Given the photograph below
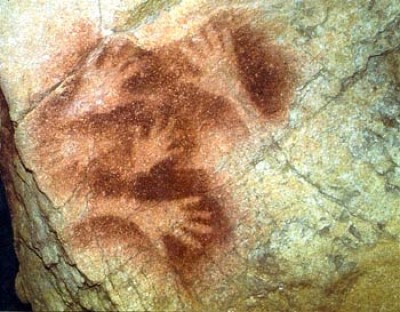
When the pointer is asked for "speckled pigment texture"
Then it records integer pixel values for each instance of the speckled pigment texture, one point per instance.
(192, 155)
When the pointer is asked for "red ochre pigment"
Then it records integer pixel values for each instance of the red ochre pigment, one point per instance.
(147, 127)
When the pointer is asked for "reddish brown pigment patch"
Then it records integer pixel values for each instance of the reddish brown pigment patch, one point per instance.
(142, 130)
(263, 72)
(117, 229)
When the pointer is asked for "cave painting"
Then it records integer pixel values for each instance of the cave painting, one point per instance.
(138, 133)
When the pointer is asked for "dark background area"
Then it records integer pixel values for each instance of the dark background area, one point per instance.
(8, 261)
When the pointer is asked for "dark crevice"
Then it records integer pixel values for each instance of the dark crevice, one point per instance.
(8, 261)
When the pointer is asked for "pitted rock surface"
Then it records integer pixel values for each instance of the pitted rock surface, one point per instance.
(200, 156)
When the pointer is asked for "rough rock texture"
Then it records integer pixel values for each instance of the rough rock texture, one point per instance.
(203, 155)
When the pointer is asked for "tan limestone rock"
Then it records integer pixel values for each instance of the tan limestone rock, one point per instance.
(193, 155)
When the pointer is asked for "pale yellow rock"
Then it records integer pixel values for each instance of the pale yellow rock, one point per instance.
(311, 197)
(41, 43)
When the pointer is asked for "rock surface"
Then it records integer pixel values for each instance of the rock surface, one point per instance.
(193, 155)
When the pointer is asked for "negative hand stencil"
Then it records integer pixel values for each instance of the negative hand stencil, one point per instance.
(136, 134)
